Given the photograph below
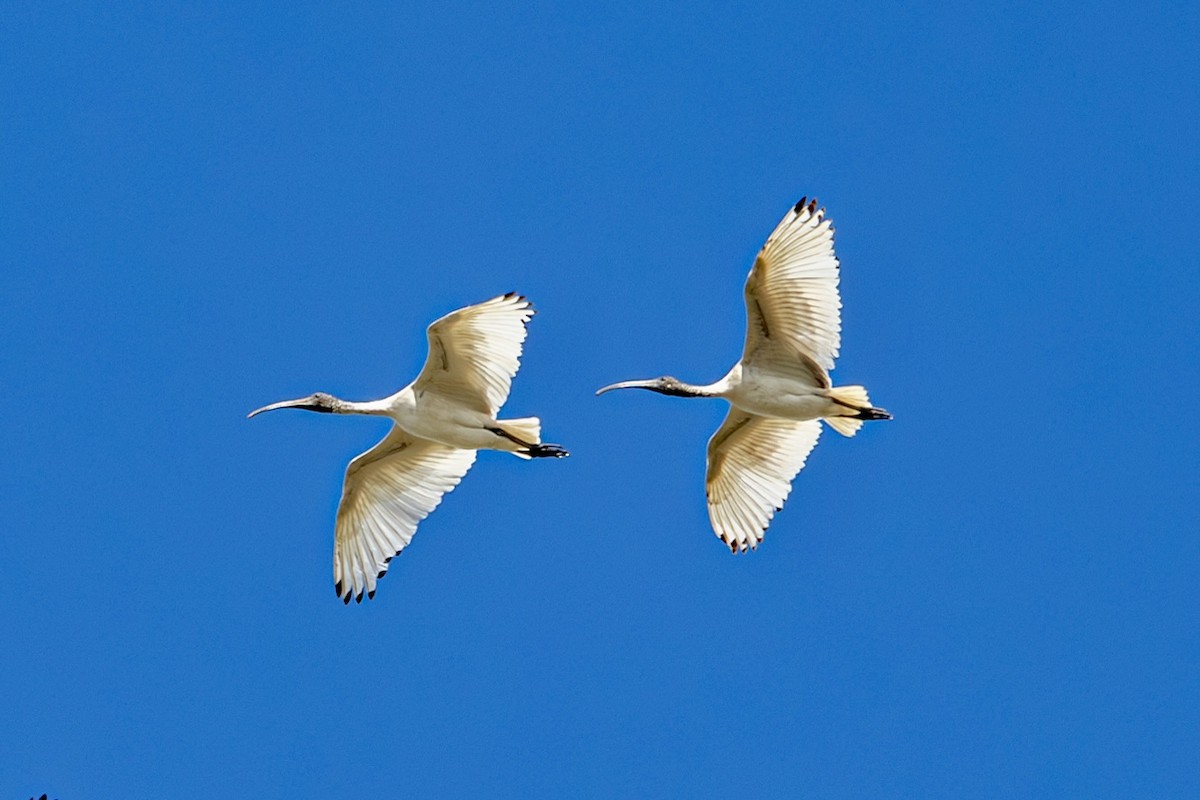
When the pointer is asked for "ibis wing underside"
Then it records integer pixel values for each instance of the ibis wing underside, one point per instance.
(388, 490)
(792, 290)
(751, 463)
(475, 352)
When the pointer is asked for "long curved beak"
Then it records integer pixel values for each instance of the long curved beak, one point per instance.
(303, 402)
(626, 385)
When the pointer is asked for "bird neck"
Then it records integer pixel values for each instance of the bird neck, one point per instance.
(677, 388)
(373, 408)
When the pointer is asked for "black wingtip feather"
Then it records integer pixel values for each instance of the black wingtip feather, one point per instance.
(807, 204)
(371, 595)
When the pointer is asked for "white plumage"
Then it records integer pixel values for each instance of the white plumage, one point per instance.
(440, 420)
(751, 463)
(792, 300)
(780, 387)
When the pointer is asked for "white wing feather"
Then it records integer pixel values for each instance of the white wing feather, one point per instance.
(388, 490)
(475, 352)
(751, 463)
(792, 291)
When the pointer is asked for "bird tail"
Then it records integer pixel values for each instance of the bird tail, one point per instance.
(857, 406)
(846, 426)
(527, 429)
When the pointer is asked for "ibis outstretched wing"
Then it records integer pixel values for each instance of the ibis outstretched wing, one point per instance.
(792, 291)
(751, 463)
(475, 352)
(388, 490)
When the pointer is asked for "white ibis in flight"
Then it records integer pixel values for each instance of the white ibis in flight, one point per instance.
(780, 388)
(439, 421)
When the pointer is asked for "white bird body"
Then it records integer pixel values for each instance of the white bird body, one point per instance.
(440, 420)
(770, 394)
(780, 388)
(445, 421)
(764, 392)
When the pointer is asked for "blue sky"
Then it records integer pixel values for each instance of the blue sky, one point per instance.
(203, 210)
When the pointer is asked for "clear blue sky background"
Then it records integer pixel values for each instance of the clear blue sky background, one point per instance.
(208, 209)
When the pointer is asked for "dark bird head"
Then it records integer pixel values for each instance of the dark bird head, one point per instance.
(320, 401)
(664, 385)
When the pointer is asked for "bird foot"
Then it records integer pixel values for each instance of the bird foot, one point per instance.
(546, 451)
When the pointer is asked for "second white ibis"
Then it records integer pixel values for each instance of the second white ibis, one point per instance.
(780, 388)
